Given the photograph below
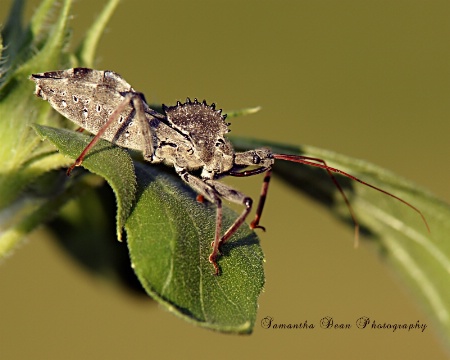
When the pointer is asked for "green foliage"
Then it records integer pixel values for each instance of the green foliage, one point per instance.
(35, 190)
(26, 161)
(111, 163)
(169, 237)
(168, 233)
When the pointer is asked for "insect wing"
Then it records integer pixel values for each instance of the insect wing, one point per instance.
(88, 98)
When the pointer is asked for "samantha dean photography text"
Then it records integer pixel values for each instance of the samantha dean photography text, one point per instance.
(361, 323)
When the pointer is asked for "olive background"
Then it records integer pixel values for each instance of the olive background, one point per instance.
(369, 79)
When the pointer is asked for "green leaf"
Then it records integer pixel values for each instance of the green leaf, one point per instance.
(226, 303)
(27, 49)
(41, 46)
(18, 106)
(169, 236)
(33, 209)
(12, 34)
(85, 229)
(26, 160)
(422, 258)
(109, 161)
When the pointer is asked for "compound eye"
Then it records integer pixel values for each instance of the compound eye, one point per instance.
(256, 159)
(220, 143)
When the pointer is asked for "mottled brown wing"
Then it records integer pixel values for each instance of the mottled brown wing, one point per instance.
(88, 97)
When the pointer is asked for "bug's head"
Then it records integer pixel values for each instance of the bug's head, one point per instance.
(261, 157)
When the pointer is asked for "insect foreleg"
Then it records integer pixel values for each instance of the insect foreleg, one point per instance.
(262, 200)
(234, 196)
(264, 159)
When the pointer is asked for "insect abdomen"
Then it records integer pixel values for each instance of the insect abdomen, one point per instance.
(88, 98)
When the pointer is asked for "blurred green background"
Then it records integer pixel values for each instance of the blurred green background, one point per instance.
(369, 79)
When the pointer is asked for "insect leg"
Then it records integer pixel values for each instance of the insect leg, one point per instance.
(232, 195)
(262, 200)
(102, 130)
(263, 195)
(144, 126)
(130, 97)
(213, 196)
(263, 158)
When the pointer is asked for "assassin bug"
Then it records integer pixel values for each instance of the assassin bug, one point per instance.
(188, 136)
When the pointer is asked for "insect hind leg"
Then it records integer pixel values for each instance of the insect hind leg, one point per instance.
(138, 103)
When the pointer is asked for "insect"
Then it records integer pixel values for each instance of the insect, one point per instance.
(189, 136)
